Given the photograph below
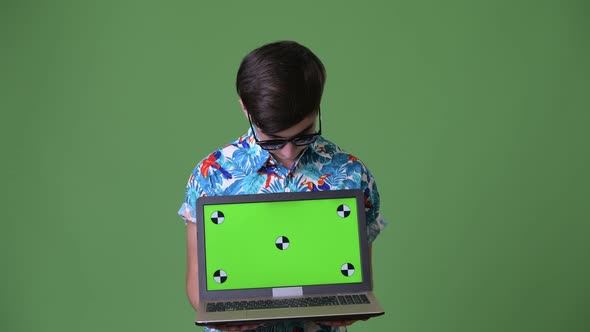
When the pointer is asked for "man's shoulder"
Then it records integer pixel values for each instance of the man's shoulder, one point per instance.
(228, 150)
(238, 156)
(327, 149)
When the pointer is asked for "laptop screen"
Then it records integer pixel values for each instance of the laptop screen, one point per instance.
(281, 243)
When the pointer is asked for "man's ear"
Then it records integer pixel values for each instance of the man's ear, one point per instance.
(243, 108)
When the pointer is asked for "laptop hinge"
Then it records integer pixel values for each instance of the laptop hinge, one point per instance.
(287, 291)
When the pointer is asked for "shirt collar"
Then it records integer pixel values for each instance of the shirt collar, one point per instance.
(263, 156)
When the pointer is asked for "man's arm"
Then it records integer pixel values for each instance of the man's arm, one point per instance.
(192, 270)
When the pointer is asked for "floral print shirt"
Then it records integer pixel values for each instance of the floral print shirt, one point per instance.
(242, 167)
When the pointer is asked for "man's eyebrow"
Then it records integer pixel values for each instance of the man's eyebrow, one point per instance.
(299, 134)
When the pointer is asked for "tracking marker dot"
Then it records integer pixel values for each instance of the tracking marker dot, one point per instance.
(217, 217)
(282, 243)
(343, 210)
(220, 276)
(347, 269)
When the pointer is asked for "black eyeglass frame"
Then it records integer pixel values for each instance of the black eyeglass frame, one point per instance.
(301, 140)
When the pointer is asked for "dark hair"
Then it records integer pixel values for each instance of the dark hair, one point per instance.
(280, 84)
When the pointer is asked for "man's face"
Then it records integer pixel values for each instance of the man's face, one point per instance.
(288, 154)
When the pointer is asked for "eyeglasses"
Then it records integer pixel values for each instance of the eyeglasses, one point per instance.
(275, 144)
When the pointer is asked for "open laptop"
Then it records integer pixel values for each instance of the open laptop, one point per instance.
(283, 256)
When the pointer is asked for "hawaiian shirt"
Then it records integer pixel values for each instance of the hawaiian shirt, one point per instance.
(242, 167)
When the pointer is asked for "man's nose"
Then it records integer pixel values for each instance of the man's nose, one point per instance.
(290, 149)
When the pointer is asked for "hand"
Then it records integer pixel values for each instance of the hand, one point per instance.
(235, 327)
(336, 323)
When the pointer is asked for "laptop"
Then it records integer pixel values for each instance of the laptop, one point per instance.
(283, 256)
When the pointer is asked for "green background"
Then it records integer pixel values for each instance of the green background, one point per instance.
(472, 115)
(315, 255)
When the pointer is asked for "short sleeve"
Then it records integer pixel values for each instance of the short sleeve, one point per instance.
(193, 190)
(375, 221)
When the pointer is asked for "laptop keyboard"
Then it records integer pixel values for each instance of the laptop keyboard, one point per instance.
(288, 303)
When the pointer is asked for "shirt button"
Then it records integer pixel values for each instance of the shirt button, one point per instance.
(287, 190)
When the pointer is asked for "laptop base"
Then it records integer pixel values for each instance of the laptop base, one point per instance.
(271, 321)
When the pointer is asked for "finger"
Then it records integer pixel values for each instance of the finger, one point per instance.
(337, 323)
(227, 327)
(236, 327)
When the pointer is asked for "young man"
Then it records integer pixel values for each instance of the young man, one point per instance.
(280, 87)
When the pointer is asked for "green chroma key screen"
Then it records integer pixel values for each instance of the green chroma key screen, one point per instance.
(282, 244)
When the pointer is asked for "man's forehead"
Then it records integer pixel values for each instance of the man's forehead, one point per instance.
(292, 132)
(297, 130)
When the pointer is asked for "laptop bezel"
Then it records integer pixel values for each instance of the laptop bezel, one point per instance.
(363, 286)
